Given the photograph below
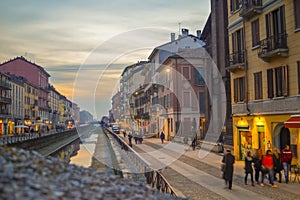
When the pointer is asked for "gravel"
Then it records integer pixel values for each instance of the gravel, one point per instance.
(28, 175)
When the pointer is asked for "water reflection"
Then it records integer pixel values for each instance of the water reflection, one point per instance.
(79, 152)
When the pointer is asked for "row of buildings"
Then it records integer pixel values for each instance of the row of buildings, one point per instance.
(255, 45)
(28, 99)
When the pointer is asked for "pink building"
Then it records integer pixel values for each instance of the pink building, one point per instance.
(36, 75)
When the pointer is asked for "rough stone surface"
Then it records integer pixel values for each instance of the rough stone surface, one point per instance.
(28, 175)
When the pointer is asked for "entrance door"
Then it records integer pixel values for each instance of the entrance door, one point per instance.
(285, 138)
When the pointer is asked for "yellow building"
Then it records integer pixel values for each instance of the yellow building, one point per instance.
(31, 108)
(264, 48)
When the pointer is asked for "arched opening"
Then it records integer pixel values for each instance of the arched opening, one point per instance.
(285, 138)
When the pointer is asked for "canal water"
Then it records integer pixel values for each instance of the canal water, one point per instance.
(86, 150)
(80, 152)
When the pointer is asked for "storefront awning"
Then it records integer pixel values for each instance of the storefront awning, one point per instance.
(293, 122)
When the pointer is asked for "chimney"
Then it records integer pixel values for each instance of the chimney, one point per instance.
(185, 32)
(172, 37)
(199, 33)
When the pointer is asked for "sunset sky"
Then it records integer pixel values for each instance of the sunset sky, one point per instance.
(85, 45)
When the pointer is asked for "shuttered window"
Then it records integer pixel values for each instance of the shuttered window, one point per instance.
(239, 89)
(297, 13)
(270, 83)
(278, 82)
(255, 33)
(298, 65)
(258, 85)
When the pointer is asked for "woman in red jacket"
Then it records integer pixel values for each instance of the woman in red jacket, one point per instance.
(268, 168)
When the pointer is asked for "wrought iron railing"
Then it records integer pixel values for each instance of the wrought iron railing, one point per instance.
(272, 43)
(153, 178)
(249, 4)
(236, 58)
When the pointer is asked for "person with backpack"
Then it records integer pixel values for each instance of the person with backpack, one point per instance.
(268, 168)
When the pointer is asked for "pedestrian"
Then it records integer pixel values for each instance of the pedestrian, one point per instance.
(162, 136)
(286, 158)
(248, 167)
(124, 133)
(135, 139)
(130, 140)
(228, 160)
(277, 164)
(268, 168)
(185, 142)
(257, 159)
(194, 142)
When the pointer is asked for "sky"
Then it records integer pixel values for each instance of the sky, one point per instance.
(85, 45)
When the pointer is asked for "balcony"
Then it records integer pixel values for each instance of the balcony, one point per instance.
(236, 61)
(273, 46)
(5, 100)
(251, 8)
(5, 85)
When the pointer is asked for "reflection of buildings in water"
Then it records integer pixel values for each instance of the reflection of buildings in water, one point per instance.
(68, 151)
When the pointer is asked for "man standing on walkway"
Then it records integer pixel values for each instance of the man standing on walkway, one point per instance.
(228, 160)
(286, 158)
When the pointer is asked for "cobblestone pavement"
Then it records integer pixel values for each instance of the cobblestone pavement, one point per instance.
(200, 178)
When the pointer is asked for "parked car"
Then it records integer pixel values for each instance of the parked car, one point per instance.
(116, 128)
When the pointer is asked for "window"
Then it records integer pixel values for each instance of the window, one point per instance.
(198, 76)
(186, 72)
(277, 81)
(297, 13)
(275, 28)
(239, 89)
(186, 99)
(255, 33)
(201, 102)
(258, 85)
(298, 64)
(237, 47)
(234, 5)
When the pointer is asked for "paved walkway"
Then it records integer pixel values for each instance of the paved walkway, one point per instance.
(199, 171)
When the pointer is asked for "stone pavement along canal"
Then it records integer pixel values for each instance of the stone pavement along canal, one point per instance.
(201, 178)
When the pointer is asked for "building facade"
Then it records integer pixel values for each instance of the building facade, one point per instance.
(5, 102)
(264, 40)
(34, 74)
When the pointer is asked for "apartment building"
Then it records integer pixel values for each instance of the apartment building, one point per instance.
(5, 101)
(264, 41)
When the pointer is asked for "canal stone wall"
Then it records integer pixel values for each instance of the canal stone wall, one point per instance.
(49, 144)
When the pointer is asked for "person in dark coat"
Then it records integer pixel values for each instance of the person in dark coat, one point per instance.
(228, 160)
(257, 159)
(162, 136)
(249, 168)
(277, 164)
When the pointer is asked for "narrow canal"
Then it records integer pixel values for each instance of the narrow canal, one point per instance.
(80, 152)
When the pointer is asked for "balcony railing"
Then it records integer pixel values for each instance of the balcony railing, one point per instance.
(5, 85)
(273, 46)
(236, 61)
(251, 8)
(5, 100)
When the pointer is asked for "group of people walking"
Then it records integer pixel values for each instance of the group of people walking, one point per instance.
(260, 166)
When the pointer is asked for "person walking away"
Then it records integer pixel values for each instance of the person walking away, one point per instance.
(249, 168)
(257, 159)
(162, 136)
(228, 160)
(194, 143)
(268, 168)
(130, 140)
(277, 164)
(286, 159)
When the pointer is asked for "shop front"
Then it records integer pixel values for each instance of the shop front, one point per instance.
(293, 125)
(249, 136)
